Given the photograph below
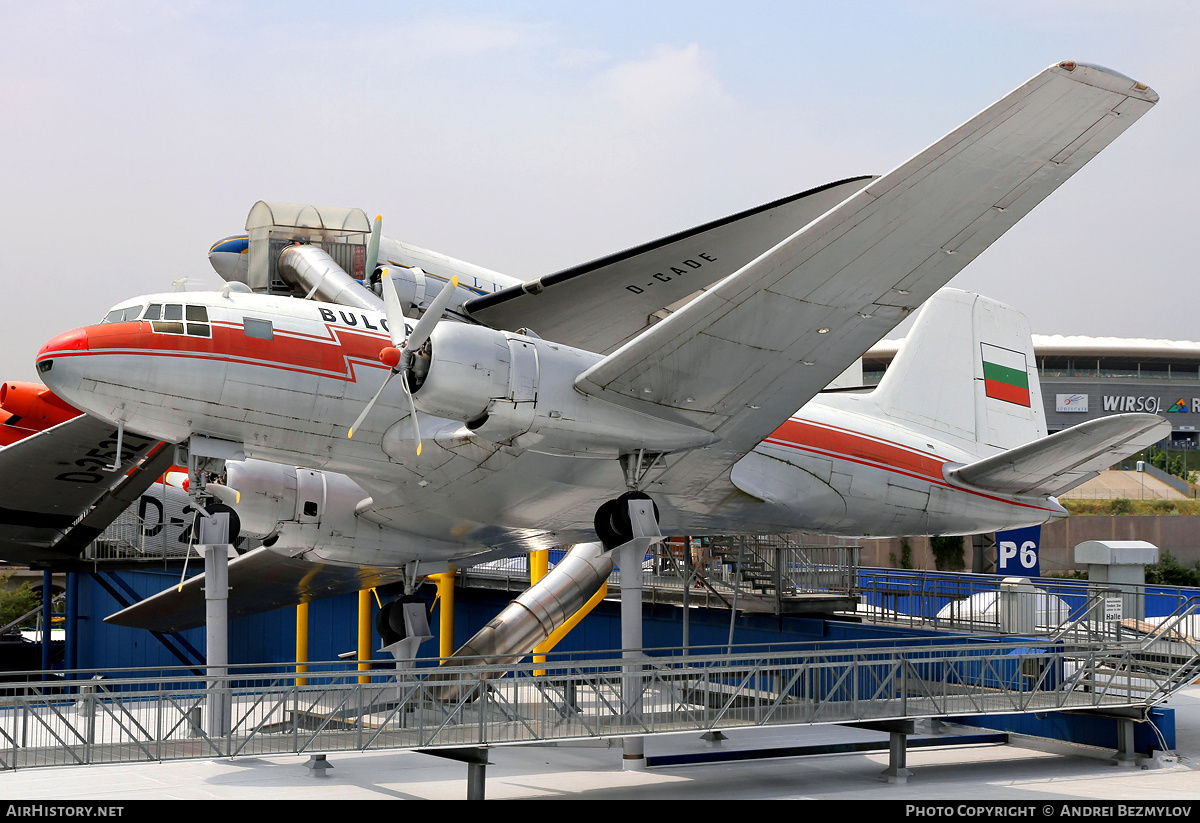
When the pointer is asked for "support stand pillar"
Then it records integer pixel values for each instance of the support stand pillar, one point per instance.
(47, 618)
(630, 561)
(630, 555)
(1126, 752)
(318, 766)
(476, 780)
(216, 623)
(897, 771)
(72, 639)
(476, 760)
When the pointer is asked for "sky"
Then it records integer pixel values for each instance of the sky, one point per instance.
(531, 136)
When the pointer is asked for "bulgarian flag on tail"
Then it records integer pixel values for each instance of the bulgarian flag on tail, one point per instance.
(1005, 375)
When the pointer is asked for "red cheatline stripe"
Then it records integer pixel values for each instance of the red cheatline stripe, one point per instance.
(797, 434)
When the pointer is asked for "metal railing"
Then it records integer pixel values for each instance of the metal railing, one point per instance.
(763, 571)
(171, 540)
(961, 601)
(768, 567)
(138, 715)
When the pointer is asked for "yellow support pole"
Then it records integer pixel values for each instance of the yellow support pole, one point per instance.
(364, 634)
(301, 642)
(445, 597)
(539, 567)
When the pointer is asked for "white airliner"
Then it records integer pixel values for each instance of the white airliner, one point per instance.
(673, 371)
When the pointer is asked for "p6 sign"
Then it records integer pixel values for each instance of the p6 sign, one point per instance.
(1017, 552)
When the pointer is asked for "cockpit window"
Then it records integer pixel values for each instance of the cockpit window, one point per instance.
(153, 312)
(122, 315)
(173, 315)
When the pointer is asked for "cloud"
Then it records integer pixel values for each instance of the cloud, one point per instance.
(456, 38)
(669, 80)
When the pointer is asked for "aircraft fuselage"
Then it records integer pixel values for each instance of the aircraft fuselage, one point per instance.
(284, 378)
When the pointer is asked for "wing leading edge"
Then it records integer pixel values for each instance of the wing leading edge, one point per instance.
(599, 305)
(62, 496)
(743, 356)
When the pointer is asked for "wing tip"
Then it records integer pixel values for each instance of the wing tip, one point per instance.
(1103, 77)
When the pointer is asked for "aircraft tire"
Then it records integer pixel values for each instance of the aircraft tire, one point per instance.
(606, 528)
(612, 519)
(389, 620)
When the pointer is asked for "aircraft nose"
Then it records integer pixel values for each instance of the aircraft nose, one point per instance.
(230, 257)
(71, 341)
(60, 348)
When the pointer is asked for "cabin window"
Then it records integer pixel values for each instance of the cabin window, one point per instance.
(262, 329)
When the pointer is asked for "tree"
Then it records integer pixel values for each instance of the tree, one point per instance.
(947, 553)
(17, 601)
(1170, 572)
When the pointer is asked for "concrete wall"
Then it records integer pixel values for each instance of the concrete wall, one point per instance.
(1178, 534)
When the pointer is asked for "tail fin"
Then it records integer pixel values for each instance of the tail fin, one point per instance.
(967, 373)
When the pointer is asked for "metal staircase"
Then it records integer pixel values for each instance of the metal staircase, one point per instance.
(767, 574)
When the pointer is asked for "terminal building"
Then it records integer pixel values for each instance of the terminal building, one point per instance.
(1083, 378)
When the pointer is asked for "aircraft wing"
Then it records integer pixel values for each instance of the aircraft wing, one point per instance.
(259, 581)
(1063, 460)
(599, 305)
(58, 497)
(743, 356)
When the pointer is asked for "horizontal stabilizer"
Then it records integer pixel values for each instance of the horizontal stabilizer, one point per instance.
(259, 581)
(1062, 461)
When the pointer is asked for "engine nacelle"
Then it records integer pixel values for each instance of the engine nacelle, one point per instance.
(270, 493)
(519, 390)
(468, 368)
(37, 406)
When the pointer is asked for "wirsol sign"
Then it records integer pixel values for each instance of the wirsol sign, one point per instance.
(1155, 405)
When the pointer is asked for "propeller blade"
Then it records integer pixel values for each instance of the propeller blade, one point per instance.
(373, 247)
(431, 316)
(393, 310)
(412, 413)
(370, 405)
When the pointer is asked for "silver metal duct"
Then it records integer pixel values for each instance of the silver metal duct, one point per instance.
(532, 617)
(309, 267)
